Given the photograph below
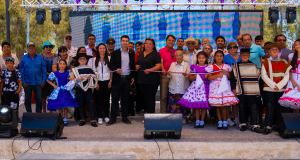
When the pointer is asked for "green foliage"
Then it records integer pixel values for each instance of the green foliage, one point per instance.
(38, 33)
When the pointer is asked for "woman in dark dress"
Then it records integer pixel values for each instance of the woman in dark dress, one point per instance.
(149, 60)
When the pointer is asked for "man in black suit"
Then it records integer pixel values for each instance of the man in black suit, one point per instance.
(122, 61)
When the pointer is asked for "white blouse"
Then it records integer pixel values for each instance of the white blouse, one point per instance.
(102, 70)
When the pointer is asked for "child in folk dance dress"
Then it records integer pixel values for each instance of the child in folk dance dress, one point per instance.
(291, 96)
(225, 98)
(196, 97)
(61, 98)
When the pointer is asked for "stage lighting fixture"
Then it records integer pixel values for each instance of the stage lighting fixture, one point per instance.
(8, 122)
(273, 14)
(290, 14)
(87, 1)
(40, 15)
(56, 15)
(5, 114)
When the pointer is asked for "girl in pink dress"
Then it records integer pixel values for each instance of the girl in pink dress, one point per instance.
(225, 98)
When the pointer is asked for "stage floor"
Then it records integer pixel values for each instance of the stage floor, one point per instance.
(207, 142)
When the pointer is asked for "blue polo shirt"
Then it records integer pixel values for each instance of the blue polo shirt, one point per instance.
(33, 71)
(229, 60)
(257, 55)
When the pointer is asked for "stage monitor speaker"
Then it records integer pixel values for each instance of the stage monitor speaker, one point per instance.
(42, 125)
(168, 125)
(289, 125)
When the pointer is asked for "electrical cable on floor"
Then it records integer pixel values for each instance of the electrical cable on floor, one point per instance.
(297, 140)
(12, 146)
(170, 148)
(158, 148)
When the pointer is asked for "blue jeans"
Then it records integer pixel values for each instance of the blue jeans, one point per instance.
(37, 89)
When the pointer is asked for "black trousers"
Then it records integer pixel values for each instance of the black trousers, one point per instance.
(85, 97)
(273, 108)
(123, 87)
(102, 94)
(149, 93)
(140, 100)
(248, 105)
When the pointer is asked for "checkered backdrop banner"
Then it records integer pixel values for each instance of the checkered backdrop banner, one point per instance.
(139, 25)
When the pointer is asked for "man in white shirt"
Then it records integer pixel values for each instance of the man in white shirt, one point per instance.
(89, 51)
(72, 51)
(220, 42)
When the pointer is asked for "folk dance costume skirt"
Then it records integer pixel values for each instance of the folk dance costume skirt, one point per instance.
(61, 98)
(226, 98)
(196, 97)
(174, 107)
(290, 98)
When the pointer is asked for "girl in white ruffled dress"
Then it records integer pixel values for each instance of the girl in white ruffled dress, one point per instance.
(225, 98)
(291, 96)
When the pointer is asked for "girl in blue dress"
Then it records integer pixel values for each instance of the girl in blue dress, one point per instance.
(61, 98)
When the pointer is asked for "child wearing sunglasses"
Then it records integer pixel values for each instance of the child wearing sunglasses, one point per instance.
(10, 84)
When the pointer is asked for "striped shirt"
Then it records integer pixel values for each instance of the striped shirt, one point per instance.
(246, 75)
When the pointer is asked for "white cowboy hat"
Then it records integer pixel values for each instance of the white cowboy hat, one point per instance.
(191, 39)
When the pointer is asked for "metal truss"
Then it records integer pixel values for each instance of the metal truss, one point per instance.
(156, 3)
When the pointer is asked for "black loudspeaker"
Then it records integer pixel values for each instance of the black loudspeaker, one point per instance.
(42, 125)
(289, 125)
(166, 125)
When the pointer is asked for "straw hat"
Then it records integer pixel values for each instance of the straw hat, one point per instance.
(191, 39)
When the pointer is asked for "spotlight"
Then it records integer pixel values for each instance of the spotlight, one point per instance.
(5, 114)
(56, 15)
(40, 16)
(273, 14)
(290, 14)
(8, 122)
(87, 1)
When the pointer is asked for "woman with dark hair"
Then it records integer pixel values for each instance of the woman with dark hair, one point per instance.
(62, 54)
(100, 65)
(148, 61)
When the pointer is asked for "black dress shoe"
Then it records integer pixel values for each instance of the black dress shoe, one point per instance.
(197, 125)
(243, 128)
(81, 123)
(256, 129)
(267, 130)
(225, 128)
(94, 124)
(201, 126)
(126, 120)
(219, 128)
(111, 122)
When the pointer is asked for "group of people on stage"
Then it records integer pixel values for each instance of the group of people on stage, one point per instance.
(238, 75)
